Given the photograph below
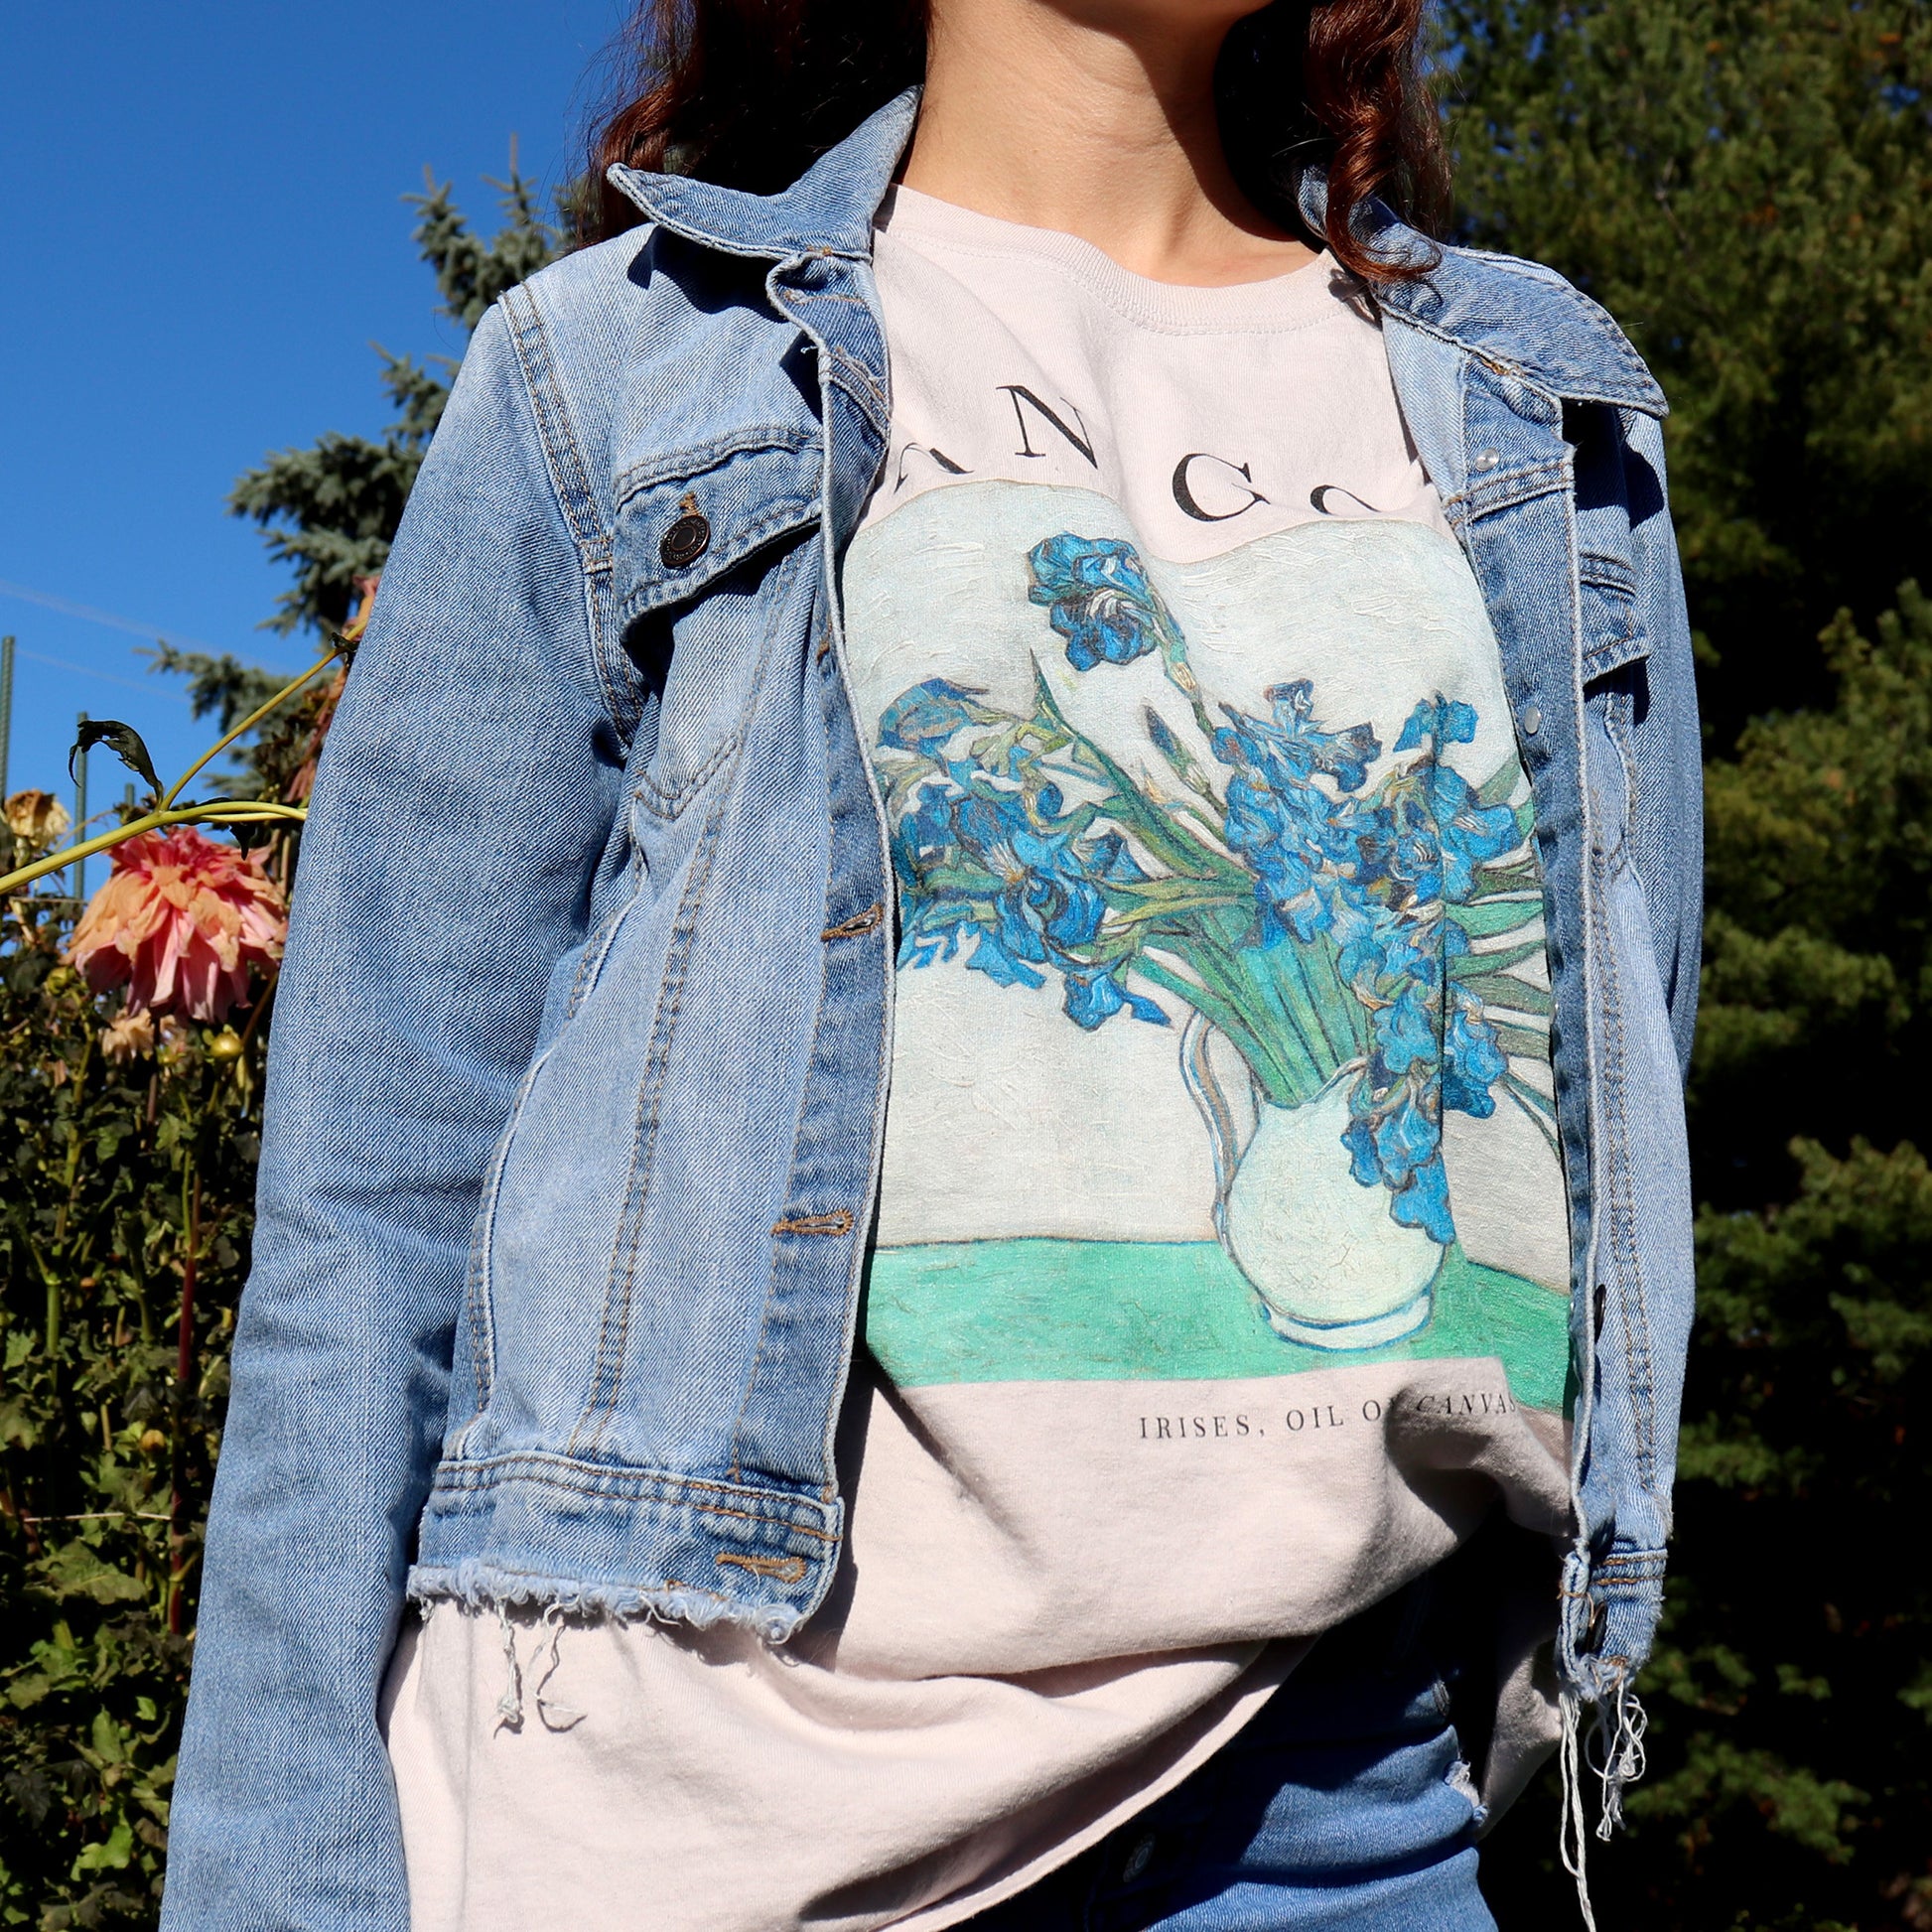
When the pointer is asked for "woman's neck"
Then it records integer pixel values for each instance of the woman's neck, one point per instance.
(1097, 120)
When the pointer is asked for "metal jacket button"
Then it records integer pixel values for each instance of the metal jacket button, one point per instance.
(685, 541)
(1532, 721)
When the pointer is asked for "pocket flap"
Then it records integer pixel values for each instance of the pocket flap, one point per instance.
(1612, 631)
(682, 526)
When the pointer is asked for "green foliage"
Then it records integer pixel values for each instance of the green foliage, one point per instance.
(1748, 188)
(220, 687)
(471, 273)
(330, 511)
(116, 1170)
(1746, 185)
(1790, 1780)
(1789, 1784)
(1818, 980)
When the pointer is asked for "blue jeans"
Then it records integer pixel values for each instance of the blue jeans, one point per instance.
(1333, 1809)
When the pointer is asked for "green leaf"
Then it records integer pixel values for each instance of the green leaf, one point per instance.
(111, 1854)
(1522, 1043)
(75, 1569)
(1487, 917)
(1501, 784)
(105, 1737)
(1498, 961)
(1507, 991)
(29, 1689)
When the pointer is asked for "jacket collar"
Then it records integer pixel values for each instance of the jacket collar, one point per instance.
(827, 211)
(1515, 317)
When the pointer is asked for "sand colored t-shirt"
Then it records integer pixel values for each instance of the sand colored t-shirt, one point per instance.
(1221, 1275)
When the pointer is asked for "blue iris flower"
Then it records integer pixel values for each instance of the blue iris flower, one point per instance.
(1011, 869)
(1472, 1056)
(1445, 720)
(987, 850)
(923, 719)
(1397, 1143)
(1425, 1203)
(1449, 832)
(1408, 1030)
(1292, 835)
(1098, 597)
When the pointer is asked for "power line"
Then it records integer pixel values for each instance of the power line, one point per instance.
(87, 670)
(88, 614)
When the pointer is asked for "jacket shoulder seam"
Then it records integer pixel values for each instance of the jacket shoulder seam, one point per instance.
(561, 450)
(570, 483)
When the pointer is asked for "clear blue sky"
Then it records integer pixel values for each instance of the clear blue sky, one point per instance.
(202, 235)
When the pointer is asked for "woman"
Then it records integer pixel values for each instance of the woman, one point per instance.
(983, 1034)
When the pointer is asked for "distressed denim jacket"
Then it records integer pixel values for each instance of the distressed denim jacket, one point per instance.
(579, 1074)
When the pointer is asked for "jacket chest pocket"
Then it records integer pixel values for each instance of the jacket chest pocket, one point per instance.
(1612, 629)
(701, 543)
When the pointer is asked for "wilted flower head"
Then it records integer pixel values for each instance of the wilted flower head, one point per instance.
(37, 817)
(180, 922)
(128, 1034)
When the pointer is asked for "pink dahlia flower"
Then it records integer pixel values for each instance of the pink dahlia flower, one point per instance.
(180, 922)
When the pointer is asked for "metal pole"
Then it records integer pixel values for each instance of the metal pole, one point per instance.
(6, 707)
(81, 817)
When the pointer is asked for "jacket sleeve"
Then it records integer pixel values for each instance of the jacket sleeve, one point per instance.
(468, 790)
(1667, 809)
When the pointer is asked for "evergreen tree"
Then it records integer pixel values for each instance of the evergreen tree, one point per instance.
(330, 511)
(1747, 186)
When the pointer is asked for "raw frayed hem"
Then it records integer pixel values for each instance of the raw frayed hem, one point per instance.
(1609, 1745)
(482, 1588)
(478, 1589)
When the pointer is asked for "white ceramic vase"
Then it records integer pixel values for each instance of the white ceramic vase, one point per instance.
(1332, 1264)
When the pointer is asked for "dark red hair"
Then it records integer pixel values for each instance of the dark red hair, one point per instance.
(750, 92)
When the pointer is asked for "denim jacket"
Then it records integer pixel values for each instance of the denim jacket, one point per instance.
(577, 1092)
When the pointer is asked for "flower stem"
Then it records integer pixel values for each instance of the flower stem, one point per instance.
(247, 725)
(220, 811)
(190, 1220)
(217, 811)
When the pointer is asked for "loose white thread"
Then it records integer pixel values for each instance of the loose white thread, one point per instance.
(509, 1707)
(554, 1714)
(1574, 1836)
(1622, 1754)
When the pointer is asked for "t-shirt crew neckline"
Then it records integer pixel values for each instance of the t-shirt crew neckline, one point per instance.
(1297, 299)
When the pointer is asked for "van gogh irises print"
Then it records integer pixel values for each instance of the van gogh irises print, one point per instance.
(1349, 937)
